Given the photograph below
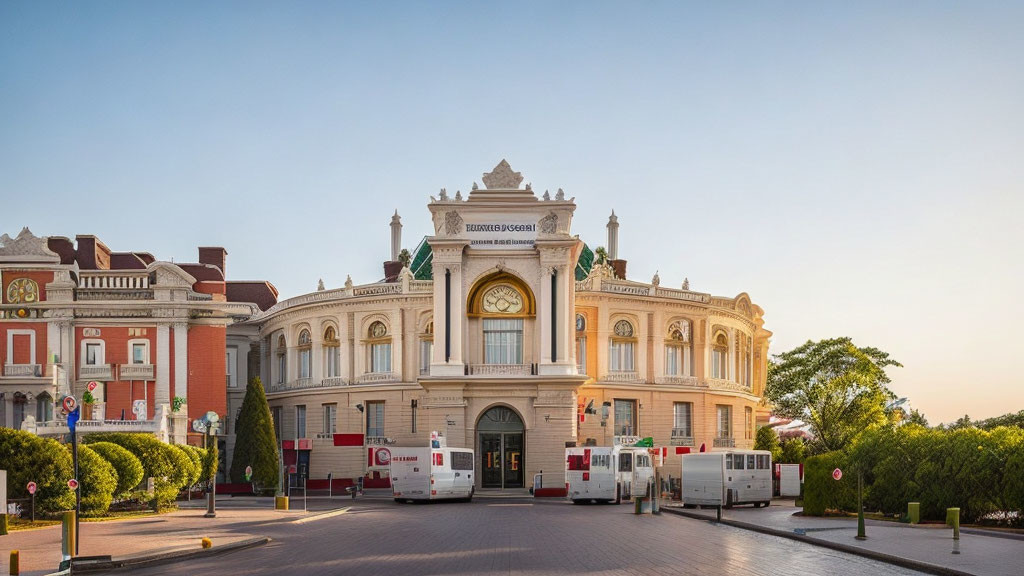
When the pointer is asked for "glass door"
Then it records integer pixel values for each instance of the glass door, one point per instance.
(513, 452)
(490, 454)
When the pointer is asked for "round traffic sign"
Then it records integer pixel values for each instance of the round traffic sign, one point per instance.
(92, 385)
(837, 474)
(31, 487)
(69, 403)
(73, 484)
(248, 472)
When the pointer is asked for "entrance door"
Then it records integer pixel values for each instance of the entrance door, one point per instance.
(502, 454)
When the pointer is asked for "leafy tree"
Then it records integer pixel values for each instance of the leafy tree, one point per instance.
(128, 468)
(835, 387)
(405, 257)
(793, 451)
(29, 458)
(1011, 419)
(209, 463)
(195, 461)
(962, 422)
(97, 479)
(768, 439)
(916, 417)
(255, 444)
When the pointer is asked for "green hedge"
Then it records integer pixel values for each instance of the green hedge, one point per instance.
(195, 463)
(978, 471)
(29, 458)
(97, 481)
(168, 466)
(128, 468)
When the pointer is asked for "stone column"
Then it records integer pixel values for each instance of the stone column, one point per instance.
(163, 364)
(180, 361)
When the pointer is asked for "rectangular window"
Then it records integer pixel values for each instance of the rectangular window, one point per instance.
(625, 418)
(581, 355)
(750, 462)
(229, 367)
(375, 419)
(625, 462)
(462, 460)
(718, 364)
(380, 357)
(426, 352)
(304, 356)
(282, 368)
(724, 421)
(503, 340)
(728, 462)
(620, 356)
(139, 353)
(673, 361)
(300, 421)
(748, 421)
(601, 460)
(413, 405)
(683, 422)
(277, 414)
(737, 461)
(331, 361)
(330, 418)
(93, 354)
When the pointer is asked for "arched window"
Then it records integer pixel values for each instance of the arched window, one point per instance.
(581, 344)
(380, 347)
(719, 355)
(282, 360)
(426, 347)
(620, 353)
(44, 407)
(331, 352)
(503, 330)
(677, 349)
(305, 353)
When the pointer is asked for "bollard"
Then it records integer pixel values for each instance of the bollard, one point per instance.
(914, 512)
(3, 524)
(953, 519)
(68, 534)
(280, 503)
(15, 564)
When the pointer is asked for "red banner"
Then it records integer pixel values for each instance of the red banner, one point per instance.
(348, 439)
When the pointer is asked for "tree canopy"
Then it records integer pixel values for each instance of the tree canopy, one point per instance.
(255, 444)
(838, 389)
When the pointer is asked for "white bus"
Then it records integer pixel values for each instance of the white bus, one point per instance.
(432, 474)
(727, 478)
(607, 474)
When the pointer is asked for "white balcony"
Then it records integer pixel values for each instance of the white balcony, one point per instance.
(95, 372)
(137, 372)
(500, 369)
(621, 376)
(724, 443)
(22, 370)
(677, 380)
(307, 383)
(59, 427)
(681, 437)
(721, 384)
(377, 378)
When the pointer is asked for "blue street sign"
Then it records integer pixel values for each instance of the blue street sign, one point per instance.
(73, 419)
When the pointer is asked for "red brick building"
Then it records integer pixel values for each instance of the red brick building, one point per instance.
(145, 335)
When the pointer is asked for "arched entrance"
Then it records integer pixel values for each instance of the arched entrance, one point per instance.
(501, 440)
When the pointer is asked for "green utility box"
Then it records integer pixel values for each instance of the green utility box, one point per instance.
(953, 519)
(914, 512)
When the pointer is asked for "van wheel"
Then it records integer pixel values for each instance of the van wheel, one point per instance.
(766, 504)
(618, 494)
(728, 499)
(574, 501)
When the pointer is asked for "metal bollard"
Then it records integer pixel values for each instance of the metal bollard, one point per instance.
(68, 535)
(280, 502)
(15, 563)
(3, 524)
(953, 519)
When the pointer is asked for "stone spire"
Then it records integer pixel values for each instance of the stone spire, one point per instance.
(396, 236)
(613, 237)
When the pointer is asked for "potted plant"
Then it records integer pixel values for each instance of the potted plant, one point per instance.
(87, 402)
(177, 403)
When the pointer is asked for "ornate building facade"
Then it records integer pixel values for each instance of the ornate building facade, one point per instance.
(502, 334)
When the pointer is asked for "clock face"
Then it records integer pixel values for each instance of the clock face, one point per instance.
(581, 323)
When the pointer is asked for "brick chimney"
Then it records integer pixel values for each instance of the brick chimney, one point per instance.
(215, 256)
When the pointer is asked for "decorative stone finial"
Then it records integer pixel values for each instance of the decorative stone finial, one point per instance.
(529, 187)
(686, 283)
(458, 195)
(656, 281)
(348, 282)
(560, 195)
(475, 187)
(444, 194)
(502, 177)
(320, 285)
(547, 196)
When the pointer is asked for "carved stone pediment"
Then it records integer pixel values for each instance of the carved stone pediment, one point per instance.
(502, 178)
(27, 247)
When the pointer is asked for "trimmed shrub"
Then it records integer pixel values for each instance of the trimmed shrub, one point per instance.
(97, 481)
(821, 491)
(211, 461)
(29, 458)
(128, 468)
(255, 444)
(196, 468)
(167, 465)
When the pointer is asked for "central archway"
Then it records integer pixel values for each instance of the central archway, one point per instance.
(502, 447)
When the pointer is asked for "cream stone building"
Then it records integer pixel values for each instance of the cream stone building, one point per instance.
(503, 335)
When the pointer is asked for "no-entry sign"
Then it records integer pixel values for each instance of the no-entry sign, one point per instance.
(31, 487)
(92, 385)
(73, 484)
(837, 474)
(69, 403)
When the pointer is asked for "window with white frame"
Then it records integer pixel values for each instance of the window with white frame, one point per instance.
(620, 352)
(138, 351)
(375, 419)
(682, 423)
(625, 418)
(300, 421)
(282, 360)
(332, 353)
(503, 340)
(93, 352)
(380, 348)
(305, 354)
(229, 365)
(581, 344)
(724, 428)
(677, 349)
(426, 348)
(719, 356)
(330, 418)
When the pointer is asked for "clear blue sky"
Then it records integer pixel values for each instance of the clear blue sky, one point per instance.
(856, 167)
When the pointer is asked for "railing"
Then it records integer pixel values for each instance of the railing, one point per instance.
(681, 437)
(113, 281)
(134, 372)
(724, 443)
(307, 383)
(377, 289)
(376, 378)
(500, 369)
(722, 384)
(23, 370)
(678, 380)
(621, 376)
(380, 289)
(95, 372)
(58, 427)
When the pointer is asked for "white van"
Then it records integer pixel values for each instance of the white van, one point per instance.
(432, 474)
(607, 474)
(727, 478)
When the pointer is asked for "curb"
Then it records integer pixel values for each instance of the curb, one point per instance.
(132, 562)
(322, 515)
(881, 557)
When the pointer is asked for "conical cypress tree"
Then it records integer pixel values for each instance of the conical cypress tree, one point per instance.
(255, 444)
